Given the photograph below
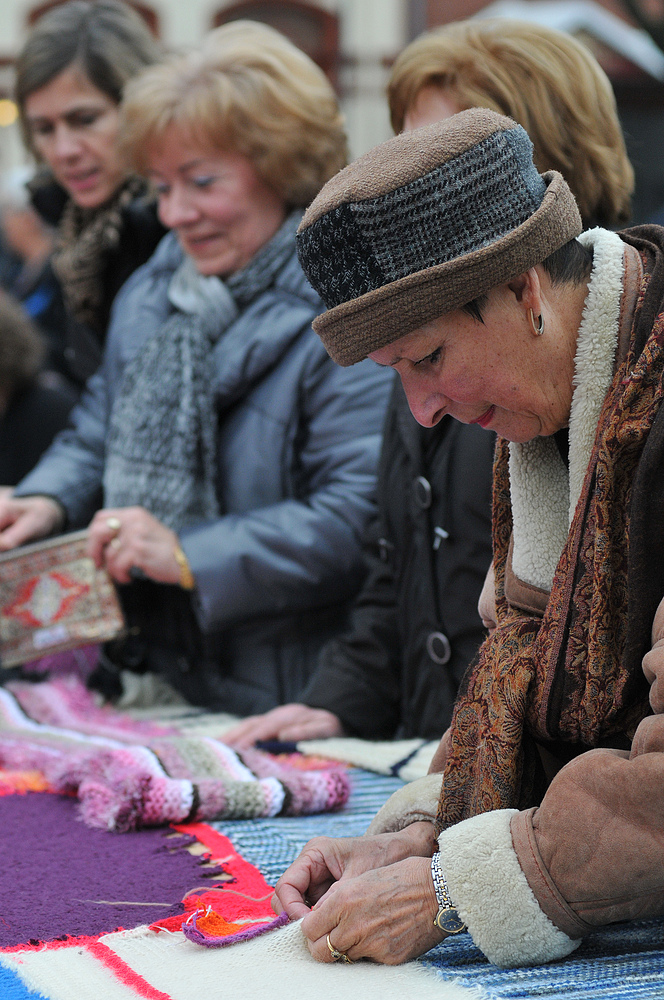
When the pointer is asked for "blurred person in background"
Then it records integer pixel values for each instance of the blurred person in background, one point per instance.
(415, 625)
(33, 408)
(69, 81)
(28, 243)
(237, 462)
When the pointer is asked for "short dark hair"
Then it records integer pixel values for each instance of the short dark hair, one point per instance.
(106, 38)
(571, 264)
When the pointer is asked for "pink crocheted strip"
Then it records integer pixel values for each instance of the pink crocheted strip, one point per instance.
(67, 703)
(125, 785)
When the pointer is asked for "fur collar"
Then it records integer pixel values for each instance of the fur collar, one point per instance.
(544, 494)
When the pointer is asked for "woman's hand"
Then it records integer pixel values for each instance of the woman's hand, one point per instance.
(140, 542)
(386, 914)
(286, 722)
(325, 861)
(23, 519)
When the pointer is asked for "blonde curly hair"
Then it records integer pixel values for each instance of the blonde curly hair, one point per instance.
(248, 89)
(543, 79)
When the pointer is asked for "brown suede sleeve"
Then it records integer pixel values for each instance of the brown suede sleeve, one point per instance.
(593, 851)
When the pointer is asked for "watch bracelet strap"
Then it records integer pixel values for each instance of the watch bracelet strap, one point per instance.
(447, 919)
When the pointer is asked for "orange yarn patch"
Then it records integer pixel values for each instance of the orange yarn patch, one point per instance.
(20, 782)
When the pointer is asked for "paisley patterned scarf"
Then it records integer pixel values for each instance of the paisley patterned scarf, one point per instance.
(572, 680)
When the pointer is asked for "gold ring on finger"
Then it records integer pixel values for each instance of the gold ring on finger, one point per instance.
(338, 955)
(113, 524)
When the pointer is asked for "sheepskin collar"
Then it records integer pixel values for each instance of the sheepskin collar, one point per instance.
(544, 493)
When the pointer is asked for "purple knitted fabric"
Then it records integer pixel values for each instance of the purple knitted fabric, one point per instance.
(60, 877)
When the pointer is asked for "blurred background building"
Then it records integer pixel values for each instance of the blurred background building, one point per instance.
(355, 41)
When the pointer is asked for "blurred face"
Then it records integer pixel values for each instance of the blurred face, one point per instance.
(432, 104)
(74, 129)
(220, 208)
(497, 374)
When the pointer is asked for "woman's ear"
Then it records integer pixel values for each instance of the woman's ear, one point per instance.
(527, 290)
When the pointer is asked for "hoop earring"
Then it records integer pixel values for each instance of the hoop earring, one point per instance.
(538, 328)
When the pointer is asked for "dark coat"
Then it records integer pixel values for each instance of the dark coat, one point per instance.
(380, 679)
(36, 413)
(139, 236)
(298, 439)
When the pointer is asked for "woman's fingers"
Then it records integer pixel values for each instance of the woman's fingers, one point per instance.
(128, 539)
(264, 727)
(292, 722)
(317, 724)
(24, 519)
(310, 876)
(385, 915)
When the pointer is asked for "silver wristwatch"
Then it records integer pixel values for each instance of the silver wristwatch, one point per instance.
(447, 919)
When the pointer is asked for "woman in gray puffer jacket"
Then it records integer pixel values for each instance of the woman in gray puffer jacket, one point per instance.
(236, 462)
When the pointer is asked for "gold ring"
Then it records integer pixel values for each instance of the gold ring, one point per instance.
(113, 524)
(338, 955)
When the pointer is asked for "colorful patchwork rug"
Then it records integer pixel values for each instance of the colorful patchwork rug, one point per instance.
(91, 915)
(130, 775)
(88, 914)
(154, 960)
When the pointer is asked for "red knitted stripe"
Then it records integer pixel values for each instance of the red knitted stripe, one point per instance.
(124, 973)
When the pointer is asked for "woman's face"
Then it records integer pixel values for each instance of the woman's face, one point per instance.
(497, 374)
(220, 208)
(74, 129)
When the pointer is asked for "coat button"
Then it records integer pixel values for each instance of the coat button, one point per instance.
(422, 492)
(438, 647)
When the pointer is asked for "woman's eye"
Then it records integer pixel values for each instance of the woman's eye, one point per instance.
(202, 182)
(432, 358)
(83, 119)
(42, 129)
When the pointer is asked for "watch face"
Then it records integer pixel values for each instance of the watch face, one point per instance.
(449, 921)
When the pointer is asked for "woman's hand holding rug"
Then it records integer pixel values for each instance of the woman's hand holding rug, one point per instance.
(130, 538)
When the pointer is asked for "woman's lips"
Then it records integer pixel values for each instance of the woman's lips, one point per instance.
(80, 182)
(486, 418)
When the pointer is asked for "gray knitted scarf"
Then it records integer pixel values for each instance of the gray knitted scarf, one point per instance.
(161, 448)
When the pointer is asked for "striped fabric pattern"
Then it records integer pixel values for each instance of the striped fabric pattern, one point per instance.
(125, 781)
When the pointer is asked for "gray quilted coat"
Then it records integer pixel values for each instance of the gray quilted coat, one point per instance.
(298, 446)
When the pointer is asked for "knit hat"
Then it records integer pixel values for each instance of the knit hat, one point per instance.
(426, 222)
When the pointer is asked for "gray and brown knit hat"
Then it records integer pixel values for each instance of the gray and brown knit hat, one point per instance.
(426, 222)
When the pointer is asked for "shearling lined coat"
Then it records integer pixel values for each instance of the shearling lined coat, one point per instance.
(531, 878)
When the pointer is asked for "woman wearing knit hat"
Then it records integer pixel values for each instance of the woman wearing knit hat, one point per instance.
(414, 627)
(445, 255)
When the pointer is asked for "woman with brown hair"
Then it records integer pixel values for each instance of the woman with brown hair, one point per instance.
(69, 81)
(545, 80)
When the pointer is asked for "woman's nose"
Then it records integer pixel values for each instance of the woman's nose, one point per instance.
(64, 144)
(427, 406)
(175, 209)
